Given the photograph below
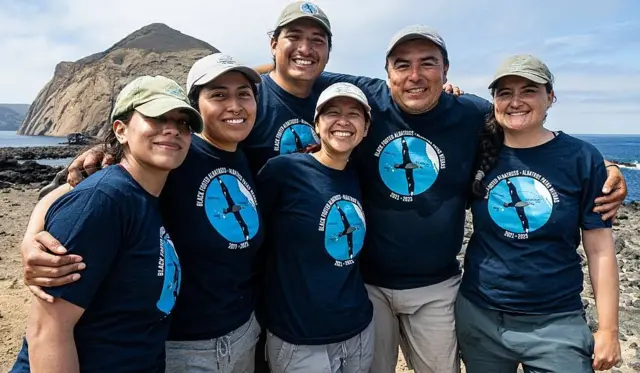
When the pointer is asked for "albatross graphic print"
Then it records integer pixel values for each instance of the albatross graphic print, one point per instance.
(408, 164)
(231, 206)
(343, 222)
(520, 202)
(169, 269)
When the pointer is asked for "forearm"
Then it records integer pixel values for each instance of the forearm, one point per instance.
(603, 273)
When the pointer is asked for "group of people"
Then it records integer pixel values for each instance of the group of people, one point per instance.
(305, 221)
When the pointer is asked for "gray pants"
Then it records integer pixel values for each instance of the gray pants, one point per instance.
(351, 356)
(420, 320)
(492, 341)
(232, 353)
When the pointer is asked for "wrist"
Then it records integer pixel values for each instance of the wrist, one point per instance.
(608, 330)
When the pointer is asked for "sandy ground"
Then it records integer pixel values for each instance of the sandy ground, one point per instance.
(16, 205)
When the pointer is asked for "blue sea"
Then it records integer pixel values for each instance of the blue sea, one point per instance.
(621, 148)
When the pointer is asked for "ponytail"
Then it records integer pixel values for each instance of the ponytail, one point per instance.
(491, 140)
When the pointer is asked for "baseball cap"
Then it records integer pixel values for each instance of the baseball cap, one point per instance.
(526, 66)
(212, 66)
(153, 96)
(342, 89)
(417, 32)
(303, 9)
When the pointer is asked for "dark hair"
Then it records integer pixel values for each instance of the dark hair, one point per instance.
(112, 146)
(445, 58)
(275, 34)
(194, 94)
(491, 140)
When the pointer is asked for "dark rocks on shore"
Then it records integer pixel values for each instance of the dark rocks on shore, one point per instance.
(25, 173)
(41, 152)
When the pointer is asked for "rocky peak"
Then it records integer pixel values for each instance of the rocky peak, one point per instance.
(79, 96)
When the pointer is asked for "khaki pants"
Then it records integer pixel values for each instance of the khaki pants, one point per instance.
(422, 319)
(351, 356)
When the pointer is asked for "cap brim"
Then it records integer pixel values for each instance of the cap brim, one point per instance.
(534, 78)
(312, 18)
(320, 105)
(250, 73)
(412, 36)
(161, 106)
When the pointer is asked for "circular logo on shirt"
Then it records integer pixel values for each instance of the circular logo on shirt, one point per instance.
(295, 136)
(520, 204)
(409, 164)
(169, 269)
(344, 228)
(231, 207)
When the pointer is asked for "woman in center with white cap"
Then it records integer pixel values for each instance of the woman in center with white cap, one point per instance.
(318, 314)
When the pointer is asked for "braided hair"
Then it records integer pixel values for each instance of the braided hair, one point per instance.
(491, 140)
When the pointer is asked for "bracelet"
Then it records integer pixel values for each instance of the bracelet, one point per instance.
(613, 165)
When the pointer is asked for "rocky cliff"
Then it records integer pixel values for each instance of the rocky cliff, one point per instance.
(80, 95)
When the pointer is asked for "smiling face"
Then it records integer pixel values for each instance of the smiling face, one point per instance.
(416, 70)
(521, 104)
(228, 107)
(301, 50)
(341, 125)
(160, 143)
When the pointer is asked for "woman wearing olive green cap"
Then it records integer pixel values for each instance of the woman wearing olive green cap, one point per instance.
(519, 301)
(116, 314)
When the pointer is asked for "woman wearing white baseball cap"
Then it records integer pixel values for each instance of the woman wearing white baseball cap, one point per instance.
(318, 314)
(211, 211)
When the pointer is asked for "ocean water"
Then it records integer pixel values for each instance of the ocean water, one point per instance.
(621, 148)
(9, 139)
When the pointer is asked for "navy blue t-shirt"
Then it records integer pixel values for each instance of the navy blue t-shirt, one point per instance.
(522, 255)
(315, 231)
(132, 277)
(210, 210)
(284, 124)
(415, 172)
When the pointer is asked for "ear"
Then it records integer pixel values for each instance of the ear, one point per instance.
(317, 128)
(120, 129)
(445, 70)
(367, 124)
(551, 98)
(273, 43)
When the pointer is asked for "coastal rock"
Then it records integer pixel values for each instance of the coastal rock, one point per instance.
(26, 173)
(40, 152)
(80, 95)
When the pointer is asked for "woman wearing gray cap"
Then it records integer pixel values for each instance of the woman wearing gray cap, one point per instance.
(519, 300)
(318, 314)
(116, 315)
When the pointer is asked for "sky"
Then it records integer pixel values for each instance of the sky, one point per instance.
(592, 47)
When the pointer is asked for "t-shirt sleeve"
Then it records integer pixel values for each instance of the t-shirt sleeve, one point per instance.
(87, 223)
(369, 86)
(594, 176)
